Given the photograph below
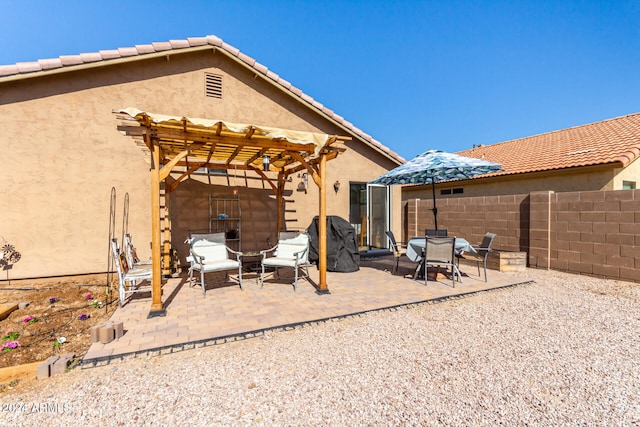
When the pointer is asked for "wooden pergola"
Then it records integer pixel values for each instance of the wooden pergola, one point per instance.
(192, 143)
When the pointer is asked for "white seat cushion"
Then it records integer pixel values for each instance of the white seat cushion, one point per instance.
(287, 248)
(218, 265)
(283, 262)
(210, 250)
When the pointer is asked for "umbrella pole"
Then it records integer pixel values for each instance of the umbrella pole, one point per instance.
(435, 209)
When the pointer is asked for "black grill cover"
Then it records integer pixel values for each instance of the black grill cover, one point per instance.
(342, 247)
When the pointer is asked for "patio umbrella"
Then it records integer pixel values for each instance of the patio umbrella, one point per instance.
(435, 166)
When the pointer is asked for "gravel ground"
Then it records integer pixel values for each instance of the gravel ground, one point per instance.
(562, 351)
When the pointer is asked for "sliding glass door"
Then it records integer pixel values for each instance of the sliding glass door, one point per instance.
(378, 216)
(369, 214)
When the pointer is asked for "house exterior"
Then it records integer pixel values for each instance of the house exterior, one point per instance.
(567, 199)
(69, 172)
(598, 156)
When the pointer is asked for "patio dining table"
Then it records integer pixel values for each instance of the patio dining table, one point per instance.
(416, 245)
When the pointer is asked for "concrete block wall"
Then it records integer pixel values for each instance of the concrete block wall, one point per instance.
(596, 233)
(472, 217)
(587, 232)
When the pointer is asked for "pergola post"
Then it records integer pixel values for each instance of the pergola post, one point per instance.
(279, 197)
(322, 227)
(157, 308)
(166, 230)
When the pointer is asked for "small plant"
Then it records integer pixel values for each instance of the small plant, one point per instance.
(88, 297)
(30, 319)
(10, 345)
(84, 316)
(11, 335)
(59, 341)
(96, 304)
(53, 300)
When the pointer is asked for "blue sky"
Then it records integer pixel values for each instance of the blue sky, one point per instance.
(413, 74)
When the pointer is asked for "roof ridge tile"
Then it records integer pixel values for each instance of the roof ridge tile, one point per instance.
(214, 40)
(179, 44)
(110, 54)
(246, 59)
(50, 64)
(161, 46)
(28, 67)
(91, 57)
(9, 70)
(197, 41)
(144, 48)
(232, 50)
(70, 60)
(128, 51)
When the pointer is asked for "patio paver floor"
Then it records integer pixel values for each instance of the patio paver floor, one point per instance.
(227, 312)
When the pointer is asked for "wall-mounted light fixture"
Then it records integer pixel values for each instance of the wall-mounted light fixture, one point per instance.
(302, 185)
(265, 163)
(336, 186)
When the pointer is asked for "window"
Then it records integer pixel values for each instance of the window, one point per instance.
(213, 85)
(628, 185)
(447, 191)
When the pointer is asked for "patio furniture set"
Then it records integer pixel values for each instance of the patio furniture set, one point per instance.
(438, 249)
(209, 253)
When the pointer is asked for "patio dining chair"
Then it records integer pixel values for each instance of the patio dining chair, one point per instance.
(440, 251)
(292, 250)
(481, 253)
(433, 232)
(209, 253)
(398, 250)
(129, 278)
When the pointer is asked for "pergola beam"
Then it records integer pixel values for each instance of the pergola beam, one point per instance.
(177, 135)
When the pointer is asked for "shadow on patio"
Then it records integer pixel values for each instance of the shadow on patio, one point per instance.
(229, 313)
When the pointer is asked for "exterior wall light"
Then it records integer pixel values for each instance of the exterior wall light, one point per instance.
(302, 185)
(336, 186)
(265, 163)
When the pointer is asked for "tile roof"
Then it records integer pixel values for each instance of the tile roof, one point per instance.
(611, 141)
(42, 66)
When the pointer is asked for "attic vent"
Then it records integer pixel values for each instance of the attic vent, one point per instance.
(587, 150)
(213, 85)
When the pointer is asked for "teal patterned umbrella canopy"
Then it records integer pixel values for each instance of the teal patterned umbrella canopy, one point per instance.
(434, 166)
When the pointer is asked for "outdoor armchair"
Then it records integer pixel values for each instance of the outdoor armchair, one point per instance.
(208, 253)
(292, 250)
(481, 253)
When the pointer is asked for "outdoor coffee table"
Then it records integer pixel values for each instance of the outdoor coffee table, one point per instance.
(254, 266)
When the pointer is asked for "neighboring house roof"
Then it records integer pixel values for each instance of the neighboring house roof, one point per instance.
(614, 141)
(41, 67)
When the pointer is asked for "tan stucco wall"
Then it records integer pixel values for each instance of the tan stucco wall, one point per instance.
(630, 173)
(63, 154)
(583, 179)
